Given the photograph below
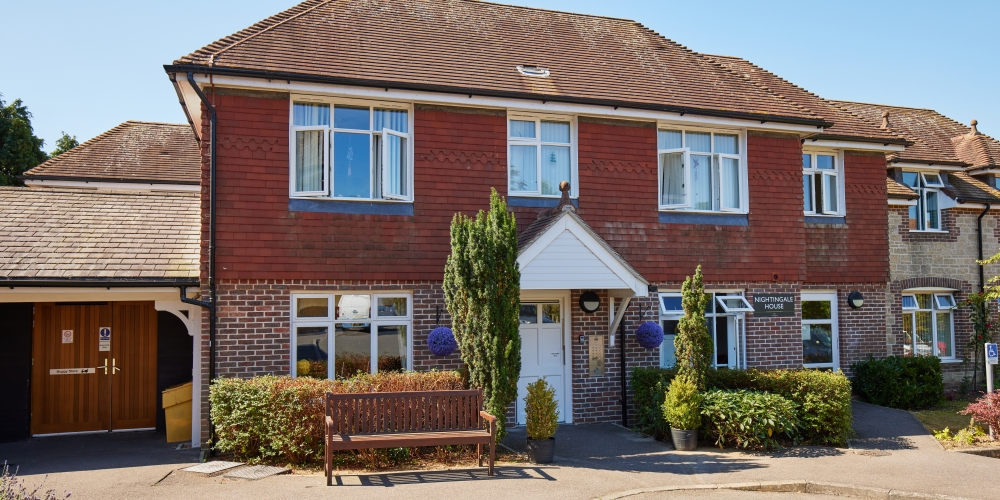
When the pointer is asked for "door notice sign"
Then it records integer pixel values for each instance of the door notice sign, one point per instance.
(67, 336)
(104, 342)
(991, 354)
(72, 371)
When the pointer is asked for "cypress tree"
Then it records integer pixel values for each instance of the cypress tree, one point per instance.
(693, 344)
(482, 288)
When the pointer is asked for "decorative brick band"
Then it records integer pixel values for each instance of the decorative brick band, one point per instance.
(930, 282)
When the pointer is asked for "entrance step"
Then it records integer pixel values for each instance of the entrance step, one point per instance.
(256, 472)
(211, 469)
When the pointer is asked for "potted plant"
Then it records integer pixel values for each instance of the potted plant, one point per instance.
(682, 410)
(542, 417)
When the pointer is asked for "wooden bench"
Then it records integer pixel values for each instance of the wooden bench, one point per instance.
(407, 419)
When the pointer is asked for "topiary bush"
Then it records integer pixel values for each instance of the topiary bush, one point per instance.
(907, 383)
(541, 411)
(280, 419)
(682, 405)
(823, 398)
(748, 419)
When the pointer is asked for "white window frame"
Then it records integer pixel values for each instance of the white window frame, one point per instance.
(817, 173)
(330, 321)
(834, 323)
(737, 323)
(743, 180)
(538, 143)
(924, 187)
(378, 185)
(934, 310)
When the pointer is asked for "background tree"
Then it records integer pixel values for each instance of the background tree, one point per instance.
(20, 150)
(693, 344)
(64, 144)
(482, 289)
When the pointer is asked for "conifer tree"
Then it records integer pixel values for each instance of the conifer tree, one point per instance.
(482, 288)
(693, 344)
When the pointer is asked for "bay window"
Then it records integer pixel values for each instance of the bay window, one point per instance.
(366, 333)
(928, 325)
(822, 183)
(926, 214)
(701, 171)
(351, 151)
(540, 156)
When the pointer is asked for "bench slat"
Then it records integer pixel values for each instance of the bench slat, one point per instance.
(408, 439)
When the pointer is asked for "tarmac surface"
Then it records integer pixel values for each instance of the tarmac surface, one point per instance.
(890, 450)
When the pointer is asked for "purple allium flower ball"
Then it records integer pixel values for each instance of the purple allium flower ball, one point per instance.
(650, 335)
(442, 341)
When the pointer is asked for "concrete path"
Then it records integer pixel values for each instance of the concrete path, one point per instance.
(891, 450)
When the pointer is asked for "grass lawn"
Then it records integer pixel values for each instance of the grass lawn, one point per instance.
(944, 415)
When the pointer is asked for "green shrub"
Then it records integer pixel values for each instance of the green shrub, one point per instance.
(748, 419)
(280, 419)
(541, 410)
(682, 405)
(907, 383)
(649, 386)
(823, 398)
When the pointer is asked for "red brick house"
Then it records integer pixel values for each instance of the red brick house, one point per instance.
(340, 138)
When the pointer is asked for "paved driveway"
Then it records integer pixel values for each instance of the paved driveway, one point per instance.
(891, 450)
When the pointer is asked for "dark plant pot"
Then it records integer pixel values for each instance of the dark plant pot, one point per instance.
(684, 440)
(541, 451)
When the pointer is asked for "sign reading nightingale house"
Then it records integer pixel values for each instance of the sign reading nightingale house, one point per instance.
(774, 304)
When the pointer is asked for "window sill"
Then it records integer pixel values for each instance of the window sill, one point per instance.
(829, 220)
(365, 207)
(928, 231)
(536, 201)
(950, 360)
(704, 218)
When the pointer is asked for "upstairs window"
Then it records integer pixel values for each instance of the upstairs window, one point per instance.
(822, 186)
(540, 156)
(701, 171)
(351, 152)
(928, 326)
(926, 214)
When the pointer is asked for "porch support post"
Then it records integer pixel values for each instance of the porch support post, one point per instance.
(618, 317)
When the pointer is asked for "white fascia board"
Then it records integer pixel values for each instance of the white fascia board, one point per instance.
(925, 166)
(527, 105)
(853, 146)
(118, 186)
(191, 101)
(567, 223)
(897, 201)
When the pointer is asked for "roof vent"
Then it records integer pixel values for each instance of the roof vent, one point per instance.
(885, 119)
(974, 130)
(532, 70)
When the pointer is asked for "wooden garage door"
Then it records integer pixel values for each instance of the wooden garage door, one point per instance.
(72, 391)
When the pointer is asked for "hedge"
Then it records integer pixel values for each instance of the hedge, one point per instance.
(748, 419)
(823, 399)
(280, 419)
(907, 383)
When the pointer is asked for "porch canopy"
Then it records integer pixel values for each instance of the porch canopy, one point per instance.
(559, 251)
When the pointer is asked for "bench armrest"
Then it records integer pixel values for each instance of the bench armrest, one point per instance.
(492, 422)
(329, 422)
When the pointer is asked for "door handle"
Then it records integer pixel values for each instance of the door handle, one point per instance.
(113, 367)
(105, 367)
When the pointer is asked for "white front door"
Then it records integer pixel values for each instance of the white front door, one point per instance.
(542, 352)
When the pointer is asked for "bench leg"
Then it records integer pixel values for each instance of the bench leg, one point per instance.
(493, 452)
(479, 453)
(328, 465)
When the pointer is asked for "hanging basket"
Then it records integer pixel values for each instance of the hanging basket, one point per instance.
(649, 335)
(442, 341)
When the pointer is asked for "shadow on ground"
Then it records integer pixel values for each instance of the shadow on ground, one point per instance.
(84, 452)
(611, 447)
(451, 476)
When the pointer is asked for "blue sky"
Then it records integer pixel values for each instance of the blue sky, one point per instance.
(84, 67)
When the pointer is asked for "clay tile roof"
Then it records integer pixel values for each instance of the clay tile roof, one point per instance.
(936, 138)
(966, 188)
(897, 190)
(133, 151)
(467, 46)
(87, 233)
(847, 125)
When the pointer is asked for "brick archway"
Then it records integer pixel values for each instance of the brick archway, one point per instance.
(930, 282)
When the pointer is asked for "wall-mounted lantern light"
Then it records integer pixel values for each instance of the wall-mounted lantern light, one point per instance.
(855, 300)
(590, 302)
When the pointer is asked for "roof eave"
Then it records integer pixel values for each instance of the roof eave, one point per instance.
(130, 180)
(275, 75)
(871, 140)
(99, 282)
